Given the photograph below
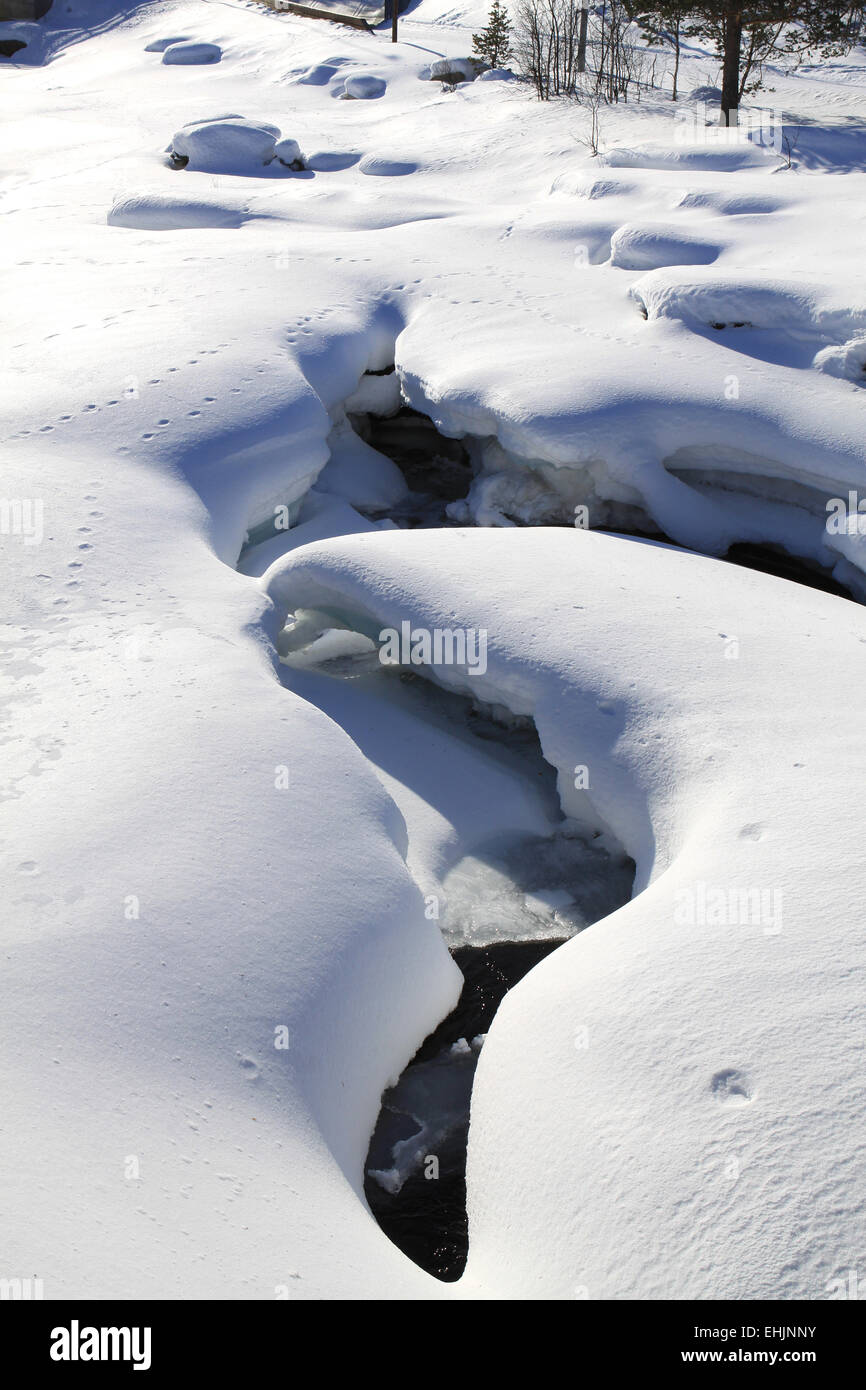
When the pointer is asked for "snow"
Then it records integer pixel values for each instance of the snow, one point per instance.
(622, 1041)
(164, 212)
(226, 836)
(160, 45)
(647, 247)
(227, 145)
(191, 54)
(363, 86)
(465, 69)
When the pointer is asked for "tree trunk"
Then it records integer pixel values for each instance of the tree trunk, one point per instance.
(676, 59)
(731, 72)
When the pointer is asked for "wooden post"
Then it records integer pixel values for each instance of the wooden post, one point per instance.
(393, 21)
(581, 41)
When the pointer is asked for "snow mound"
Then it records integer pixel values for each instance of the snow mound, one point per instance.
(228, 145)
(288, 152)
(332, 161)
(708, 94)
(496, 75)
(578, 185)
(726, 153)
(160, 45)
(192, 54)
(362, 86)
(318, 74)
(645, 247)
(380, 166)
(161, 212)
(729, 204)
(749, 299)
(847, 361)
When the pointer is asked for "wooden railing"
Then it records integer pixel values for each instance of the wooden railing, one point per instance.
(355, 21)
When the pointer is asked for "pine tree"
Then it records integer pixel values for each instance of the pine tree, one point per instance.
(493, 44)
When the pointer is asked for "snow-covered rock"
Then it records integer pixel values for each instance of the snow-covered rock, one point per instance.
(363, 86)
(191, 54)
(229, 145)
(847, 361)
(455, 69)
(288, 152)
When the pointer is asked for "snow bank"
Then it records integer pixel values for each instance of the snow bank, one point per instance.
(661, 1088)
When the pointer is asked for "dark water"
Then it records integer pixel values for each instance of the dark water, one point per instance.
(426, 1218)
(437, 470)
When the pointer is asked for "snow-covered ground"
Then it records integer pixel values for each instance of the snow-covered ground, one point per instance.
(218, 944)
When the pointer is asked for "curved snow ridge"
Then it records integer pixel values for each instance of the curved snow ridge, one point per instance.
(751, 299)
(694, 1056)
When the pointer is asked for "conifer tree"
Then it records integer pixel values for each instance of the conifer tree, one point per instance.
(493, 44)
